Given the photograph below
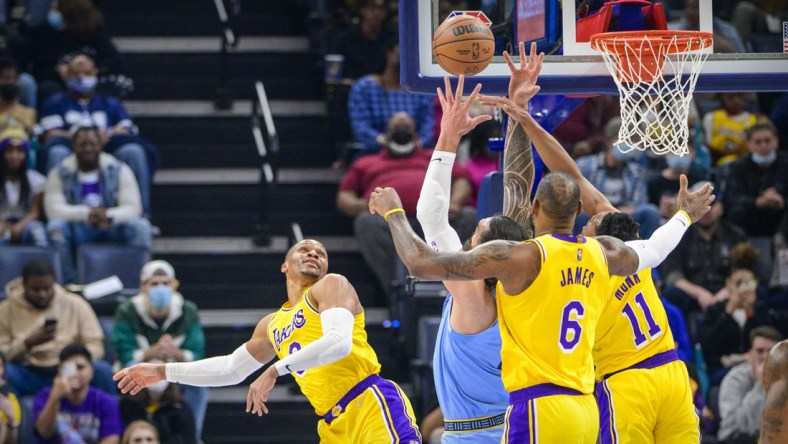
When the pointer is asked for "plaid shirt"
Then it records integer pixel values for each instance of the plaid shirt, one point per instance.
(370, 107)
(635, 191)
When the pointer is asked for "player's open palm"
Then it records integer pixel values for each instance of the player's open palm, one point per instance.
(456, 119)
(259, 391)
(522, 85)
(139, 376)
(696, 204)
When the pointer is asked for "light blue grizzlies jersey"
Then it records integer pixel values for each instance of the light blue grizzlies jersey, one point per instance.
(468, 378)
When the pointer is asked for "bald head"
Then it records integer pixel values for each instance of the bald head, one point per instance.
(558, 195)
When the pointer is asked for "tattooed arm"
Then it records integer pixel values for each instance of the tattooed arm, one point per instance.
(518, 174)
(774, 422)
(515, 264)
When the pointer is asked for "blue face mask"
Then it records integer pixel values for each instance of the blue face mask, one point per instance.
(160, 297)
(55, 19)
(82, 85)
(764, 159)
(678, 163)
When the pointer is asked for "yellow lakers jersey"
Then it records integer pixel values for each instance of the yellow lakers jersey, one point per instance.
(547, 331)
(633, 325)
(293, 328)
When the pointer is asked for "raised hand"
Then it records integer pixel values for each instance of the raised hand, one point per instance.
(456, 119)
(139, 376)
(522, 84)
(695, 204)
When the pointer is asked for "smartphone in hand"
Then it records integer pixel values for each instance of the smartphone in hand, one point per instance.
(69, 370)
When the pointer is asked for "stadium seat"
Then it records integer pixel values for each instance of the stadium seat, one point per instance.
(14, 258)
(99, 261)
(490, 199)
(424, 382)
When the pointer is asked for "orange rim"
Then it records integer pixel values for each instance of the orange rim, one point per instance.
(615, 42)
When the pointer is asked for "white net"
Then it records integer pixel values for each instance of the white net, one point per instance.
(655, 72)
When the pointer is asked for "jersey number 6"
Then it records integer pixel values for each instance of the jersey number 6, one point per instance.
(569, 336)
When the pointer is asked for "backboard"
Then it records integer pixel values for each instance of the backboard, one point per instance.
(756, 62)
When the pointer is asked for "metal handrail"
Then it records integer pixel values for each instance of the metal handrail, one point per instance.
(224, 19)
(267, 144)
(229, 40)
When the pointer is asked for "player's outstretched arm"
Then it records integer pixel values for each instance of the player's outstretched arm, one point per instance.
(774, 422)
(432, 209)
(518, 171)
(630, 257)
(210, 372)
(509, 262)
(553, 154)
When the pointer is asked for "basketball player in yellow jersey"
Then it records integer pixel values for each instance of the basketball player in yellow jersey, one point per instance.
(643, 394)
(643, 389)
(551, 291)
(319, 337)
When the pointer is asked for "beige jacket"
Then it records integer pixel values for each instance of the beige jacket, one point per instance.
(77, 322)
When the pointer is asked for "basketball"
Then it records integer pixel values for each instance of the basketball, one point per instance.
(463, 44)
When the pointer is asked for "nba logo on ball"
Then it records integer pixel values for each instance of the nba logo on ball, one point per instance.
(464, 43)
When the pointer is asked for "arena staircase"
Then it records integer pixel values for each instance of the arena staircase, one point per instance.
(205, 196)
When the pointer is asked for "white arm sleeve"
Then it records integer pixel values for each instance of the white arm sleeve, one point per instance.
(654, 250)
(214, 372)
(335, 344)
(432, 210)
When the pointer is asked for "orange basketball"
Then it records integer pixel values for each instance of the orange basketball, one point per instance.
(463, 44)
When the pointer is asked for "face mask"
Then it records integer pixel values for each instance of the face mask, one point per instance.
(401, 142)
(158, 388)
(678, 163)
(55, 19)
(764, 159)
(9, 92)
(82, 85)
(160, 297)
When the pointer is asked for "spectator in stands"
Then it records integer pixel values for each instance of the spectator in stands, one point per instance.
(583, 132)
(364, 44)
(13, 113)
(760, 18)
(741, 392)
(481, 161)
(159, 323)
(10, 410)
(140, 432)
(757, 185)
(21, 192)
(726, 37)
(163, 405)
(71, 411)
(780, 120)
(92, 197)
(375, 98)
(81, 105)
(622, 180)
(402, 165)
(72, 25)
(727, 324)
(696, 270)
(726, 128)
(37, 320)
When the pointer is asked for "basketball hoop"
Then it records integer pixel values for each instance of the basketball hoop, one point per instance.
(655, 91)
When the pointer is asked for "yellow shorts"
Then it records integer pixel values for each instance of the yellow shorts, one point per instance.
(548, 418)
(645, 406)
(380, 414)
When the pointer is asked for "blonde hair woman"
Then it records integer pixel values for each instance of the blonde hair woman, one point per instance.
(140, 432)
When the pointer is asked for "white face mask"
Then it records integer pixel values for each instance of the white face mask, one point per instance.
(158, 388)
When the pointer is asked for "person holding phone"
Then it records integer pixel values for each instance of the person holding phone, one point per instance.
(37, 320)
(71, 410)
